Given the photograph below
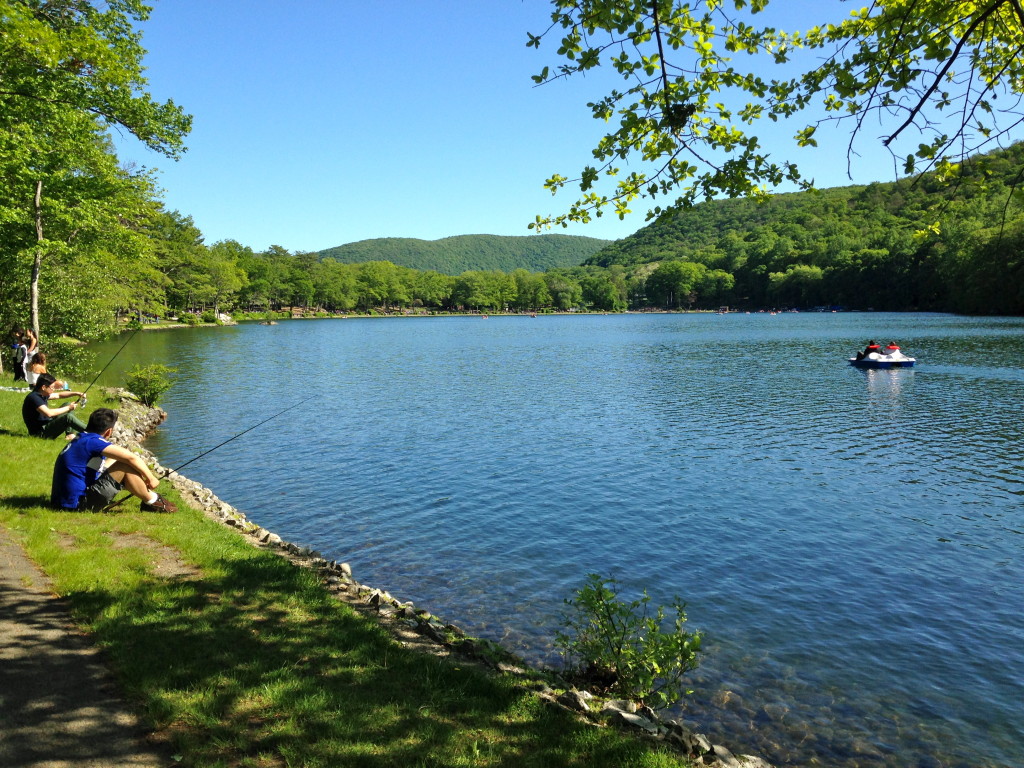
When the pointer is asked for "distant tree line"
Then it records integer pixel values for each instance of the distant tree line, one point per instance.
(229, 276)
(883, 246)
(919, 245)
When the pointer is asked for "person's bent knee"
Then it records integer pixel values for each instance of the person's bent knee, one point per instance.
(119, 470)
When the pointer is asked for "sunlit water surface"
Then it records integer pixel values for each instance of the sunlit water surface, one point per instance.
(849, 541)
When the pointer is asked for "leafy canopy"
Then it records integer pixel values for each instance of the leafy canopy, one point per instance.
(697, 78)
(71, 246)
(87, 57)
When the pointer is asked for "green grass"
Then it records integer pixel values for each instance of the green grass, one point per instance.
(249, 662)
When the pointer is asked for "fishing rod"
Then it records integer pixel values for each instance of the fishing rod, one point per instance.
(250, 429)
(119, 502)
(130, 337)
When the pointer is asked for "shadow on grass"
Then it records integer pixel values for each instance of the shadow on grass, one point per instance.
(27, 502)
(255, 662)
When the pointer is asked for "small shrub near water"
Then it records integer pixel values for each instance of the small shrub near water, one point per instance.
(623, 647)
(149, 382)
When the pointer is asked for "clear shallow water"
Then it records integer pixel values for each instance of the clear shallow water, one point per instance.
(850, 541)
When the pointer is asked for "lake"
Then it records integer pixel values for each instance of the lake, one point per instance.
(849, 541)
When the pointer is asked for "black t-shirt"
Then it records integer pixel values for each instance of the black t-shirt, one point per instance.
(34, 420)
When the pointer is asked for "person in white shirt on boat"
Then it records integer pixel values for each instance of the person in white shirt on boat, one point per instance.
(893, 350)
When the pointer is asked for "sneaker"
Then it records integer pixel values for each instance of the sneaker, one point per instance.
(160, 505)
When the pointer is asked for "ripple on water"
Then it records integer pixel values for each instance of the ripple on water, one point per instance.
(850, 541)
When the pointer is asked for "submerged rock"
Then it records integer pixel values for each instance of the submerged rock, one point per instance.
(138, 421)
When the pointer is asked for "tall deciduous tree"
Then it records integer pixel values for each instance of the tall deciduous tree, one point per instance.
(67, 206)
(531, 290)
(698, 74)
(674, 283)
(226, 274)
(565, 290)
(432, 288)
(181, 256)
(69, 70)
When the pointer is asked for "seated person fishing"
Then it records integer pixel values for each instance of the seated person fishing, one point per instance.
(44, 421)
(80, 480)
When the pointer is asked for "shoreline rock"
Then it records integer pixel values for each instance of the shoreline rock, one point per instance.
(415, 627)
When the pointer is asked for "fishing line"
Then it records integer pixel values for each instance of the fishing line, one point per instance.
(119, 502)
(130, 337)
(250, 429)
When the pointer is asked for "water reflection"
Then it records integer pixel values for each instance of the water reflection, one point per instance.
(885, 391)
(886, 383)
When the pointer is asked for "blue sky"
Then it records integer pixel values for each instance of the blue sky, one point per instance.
(323, 122)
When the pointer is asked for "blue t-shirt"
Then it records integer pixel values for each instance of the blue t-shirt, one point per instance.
(72, 473)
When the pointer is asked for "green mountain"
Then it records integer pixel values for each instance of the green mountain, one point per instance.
(704, 226)
(455, 255)
(925, 242)
(817, 225)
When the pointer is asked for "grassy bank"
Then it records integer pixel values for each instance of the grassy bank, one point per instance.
(235, 657)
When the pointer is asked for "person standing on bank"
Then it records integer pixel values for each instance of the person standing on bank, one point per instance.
(20, 347)
(43, 421)
(81, 482)
(31, 345)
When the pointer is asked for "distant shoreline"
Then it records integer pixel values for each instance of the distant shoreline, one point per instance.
(407, 315)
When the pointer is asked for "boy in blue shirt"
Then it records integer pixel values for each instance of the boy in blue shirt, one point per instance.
(80, 480)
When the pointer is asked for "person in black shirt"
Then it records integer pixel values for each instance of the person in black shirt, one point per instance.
(871, 347)
(20, 347)
(43, 421)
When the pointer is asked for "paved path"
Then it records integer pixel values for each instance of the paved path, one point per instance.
(59, 707)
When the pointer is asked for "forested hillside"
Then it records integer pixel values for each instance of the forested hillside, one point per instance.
(914, 244)
(455, 255)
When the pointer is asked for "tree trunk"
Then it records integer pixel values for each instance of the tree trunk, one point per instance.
(37, 263)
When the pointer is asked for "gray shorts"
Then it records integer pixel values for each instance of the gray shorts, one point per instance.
(100, 493)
